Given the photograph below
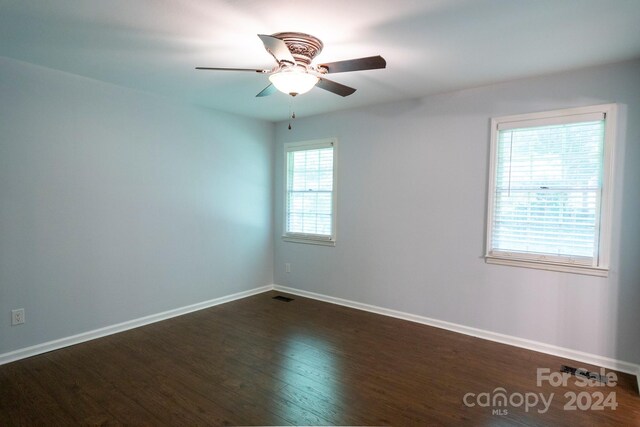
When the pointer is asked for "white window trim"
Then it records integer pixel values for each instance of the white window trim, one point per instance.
(312, 239)
(601, 265)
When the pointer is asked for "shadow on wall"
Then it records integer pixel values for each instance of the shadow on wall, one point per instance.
(628, 321)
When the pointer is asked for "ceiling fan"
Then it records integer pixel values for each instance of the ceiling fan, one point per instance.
(295, 74)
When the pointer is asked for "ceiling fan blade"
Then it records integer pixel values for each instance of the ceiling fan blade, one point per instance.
(277, 48)
(232, 69)
(337, 88)
(368, 63)
(267, 91)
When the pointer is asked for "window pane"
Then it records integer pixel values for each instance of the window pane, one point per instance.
(310, 191)
(558, 223)
(548, 187)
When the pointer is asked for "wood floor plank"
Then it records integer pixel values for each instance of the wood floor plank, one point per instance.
(23, 402)
(84, 373)
(259, 361)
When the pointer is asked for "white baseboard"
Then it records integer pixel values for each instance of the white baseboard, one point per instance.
(120, 327)
(618, 365)
(592, 359)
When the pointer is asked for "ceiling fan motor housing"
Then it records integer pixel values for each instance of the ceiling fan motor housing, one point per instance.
(303, 47)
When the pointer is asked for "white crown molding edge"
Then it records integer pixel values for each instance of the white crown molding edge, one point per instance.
(580, 356)
(45, 347)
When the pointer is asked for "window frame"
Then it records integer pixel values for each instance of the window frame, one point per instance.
(314, 239)
(601, 263)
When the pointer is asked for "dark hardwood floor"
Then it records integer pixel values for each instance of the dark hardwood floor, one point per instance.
(260, 361)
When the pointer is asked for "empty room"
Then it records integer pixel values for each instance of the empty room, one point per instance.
(373, 212)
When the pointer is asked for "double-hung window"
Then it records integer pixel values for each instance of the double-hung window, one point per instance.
(310, 197)
(550, 190)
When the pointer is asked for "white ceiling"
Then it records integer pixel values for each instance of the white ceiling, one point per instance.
(431, 46)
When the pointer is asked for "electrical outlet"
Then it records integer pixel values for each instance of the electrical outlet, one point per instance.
(287, 268)
(17, 316)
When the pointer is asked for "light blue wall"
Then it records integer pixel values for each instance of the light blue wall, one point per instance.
(116, 204)
(412, 190)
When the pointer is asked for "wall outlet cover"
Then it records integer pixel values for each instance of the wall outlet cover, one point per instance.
(17, 316)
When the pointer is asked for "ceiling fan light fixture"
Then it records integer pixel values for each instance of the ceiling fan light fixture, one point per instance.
(293, 81)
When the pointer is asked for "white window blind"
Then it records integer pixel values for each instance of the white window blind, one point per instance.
(310, 202)
(547, 192)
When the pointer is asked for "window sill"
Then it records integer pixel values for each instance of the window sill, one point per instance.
(575, 269)
(309, 241)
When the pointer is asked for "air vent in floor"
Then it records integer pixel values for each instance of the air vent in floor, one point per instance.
(579, 372)
(284, 299)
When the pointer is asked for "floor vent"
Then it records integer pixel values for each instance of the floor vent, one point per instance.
(284, 299)
(580, 372)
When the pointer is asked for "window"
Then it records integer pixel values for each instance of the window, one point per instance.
(310, 199)
(550, 190)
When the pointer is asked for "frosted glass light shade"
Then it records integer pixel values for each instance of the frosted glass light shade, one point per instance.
(293, 82)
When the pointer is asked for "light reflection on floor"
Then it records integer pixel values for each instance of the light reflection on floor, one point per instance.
(312, 373)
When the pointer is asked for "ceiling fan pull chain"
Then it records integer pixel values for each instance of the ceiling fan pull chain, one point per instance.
(292, 114)
(293, 108)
